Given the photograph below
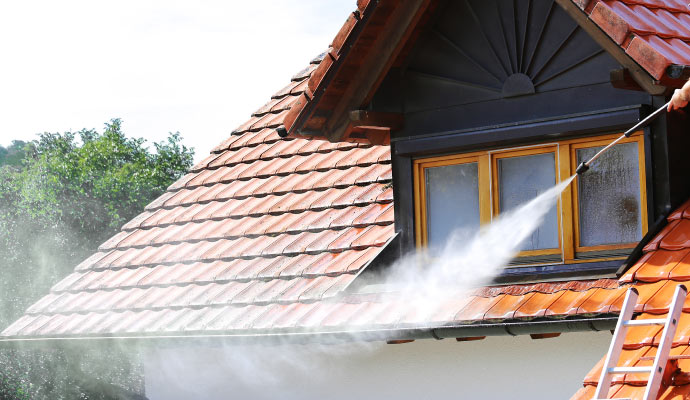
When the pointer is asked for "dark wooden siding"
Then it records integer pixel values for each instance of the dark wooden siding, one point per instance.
(486, 63)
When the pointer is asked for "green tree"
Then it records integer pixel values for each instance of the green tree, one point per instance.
(65, 195)
(13, 154)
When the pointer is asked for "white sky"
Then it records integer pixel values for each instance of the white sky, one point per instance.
(200, 67)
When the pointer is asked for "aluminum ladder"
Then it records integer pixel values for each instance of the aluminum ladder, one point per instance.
(662, 357)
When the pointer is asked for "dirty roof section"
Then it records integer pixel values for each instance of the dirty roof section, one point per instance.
(264, 236)
(261, 221)
(664, 265)
(654, 33)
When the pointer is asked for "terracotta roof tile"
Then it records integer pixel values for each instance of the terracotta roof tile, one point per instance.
(653, 34)
(506, 307)
(285, 222)
(320, 264)
(477, 308)
(324, 199)
(317, 146)
(659, 265)
(654, 243)
(371, 194)
(293, 202)
(291, 316)
(286, 90)
(658, 301)
(681, 272)
(370, 216)
(678, 238)
(285, 148)
(376, 235)
(216, 209)
(537, 305)
(317, 315)
(294, 266)
(641, 336)
(340, 218)
(385, 196)
(601, 301)
(328, 287)
(342, 314)
(349, 196)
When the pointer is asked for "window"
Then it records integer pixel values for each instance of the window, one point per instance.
(601, 216)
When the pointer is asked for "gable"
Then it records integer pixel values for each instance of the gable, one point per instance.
(487, 63)
(647, 38)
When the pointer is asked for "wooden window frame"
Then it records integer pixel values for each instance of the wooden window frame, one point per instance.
(567, 205)
(498, 155)
(576, 145)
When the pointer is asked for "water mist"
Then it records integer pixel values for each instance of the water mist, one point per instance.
(424, 281)
(465, 263)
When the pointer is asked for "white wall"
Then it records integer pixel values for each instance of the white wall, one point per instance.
(493, 368)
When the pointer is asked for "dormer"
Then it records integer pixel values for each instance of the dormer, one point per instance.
(488, 103)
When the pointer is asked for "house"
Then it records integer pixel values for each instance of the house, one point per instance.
(423, 117)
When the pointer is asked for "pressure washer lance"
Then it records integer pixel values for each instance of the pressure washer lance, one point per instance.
(584, 166)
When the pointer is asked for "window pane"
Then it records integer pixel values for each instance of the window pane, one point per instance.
(452, 200)
(609, 197)
(523, 178)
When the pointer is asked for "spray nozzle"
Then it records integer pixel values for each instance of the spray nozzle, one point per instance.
(582, 168)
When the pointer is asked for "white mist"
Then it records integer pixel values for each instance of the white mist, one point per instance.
(467, 263)
(289, 370)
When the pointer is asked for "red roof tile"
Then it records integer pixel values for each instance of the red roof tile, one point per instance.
(653, 33)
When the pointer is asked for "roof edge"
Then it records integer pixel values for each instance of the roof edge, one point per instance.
(328, 67)
(577, 10)
(597, 323)
(377, 50)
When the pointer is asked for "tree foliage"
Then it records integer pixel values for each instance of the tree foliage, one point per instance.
(64, 194)
(13, 154)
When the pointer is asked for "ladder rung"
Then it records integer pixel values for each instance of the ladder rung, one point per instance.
(629, 370)
(644, 322)
(678, 357)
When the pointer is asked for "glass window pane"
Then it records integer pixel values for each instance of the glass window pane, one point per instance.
(522, 179)
(609, 197)
(452, 201)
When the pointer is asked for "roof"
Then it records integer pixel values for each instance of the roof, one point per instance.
(266, 235)
(654, 33)
(262, 221)
(664, 265)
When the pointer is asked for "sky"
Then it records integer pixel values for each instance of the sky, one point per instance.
(200, 67)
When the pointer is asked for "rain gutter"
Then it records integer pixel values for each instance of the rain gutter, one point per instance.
(328, 337)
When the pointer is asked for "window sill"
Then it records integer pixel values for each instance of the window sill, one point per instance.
(579, 270)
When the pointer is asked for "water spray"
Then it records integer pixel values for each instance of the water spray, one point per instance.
(584, 166)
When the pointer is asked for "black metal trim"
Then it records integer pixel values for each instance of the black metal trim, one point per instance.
(558, 271)
(680, 72)
(635, 255)
(556, 128)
